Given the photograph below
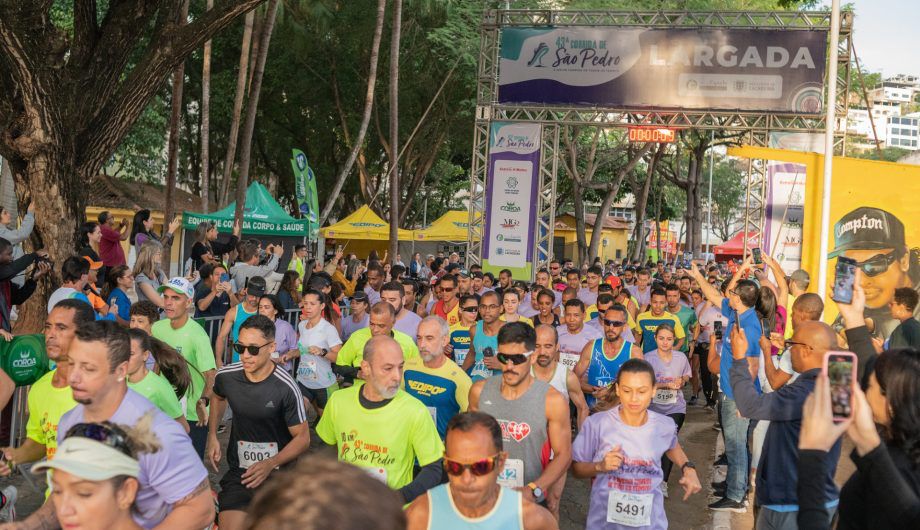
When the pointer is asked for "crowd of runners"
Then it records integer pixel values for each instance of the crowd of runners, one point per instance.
(452, 398)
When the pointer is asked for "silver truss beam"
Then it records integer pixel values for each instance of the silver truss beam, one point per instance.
(791, 20)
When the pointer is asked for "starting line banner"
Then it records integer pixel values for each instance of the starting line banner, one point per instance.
(511, 197)
(769, 70)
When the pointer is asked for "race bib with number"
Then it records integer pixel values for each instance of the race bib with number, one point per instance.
(665, 396)
(434, 414)
(377, 473)
(629, 509)
(253, 452)
(306, 371)
(479, 370)
(569, 359)
(512, 475)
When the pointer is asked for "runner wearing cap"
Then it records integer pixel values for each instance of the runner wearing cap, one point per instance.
(875, 239)
(189, 339)
(464, 282)
(174, 491)
(319, 345)
(432, 378)
(269, 425)
(394, 294)
(460, 340)
(358, 318)
(530, 412)
(230, 327)
(380, 428)
(474, 445)
(93, 294)
(95, 478)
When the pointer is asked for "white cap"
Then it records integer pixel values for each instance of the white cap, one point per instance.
(90, 460)
(179, 285)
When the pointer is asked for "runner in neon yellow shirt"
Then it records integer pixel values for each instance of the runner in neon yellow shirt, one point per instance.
(382, 429)
(380, 323)
(152, 385)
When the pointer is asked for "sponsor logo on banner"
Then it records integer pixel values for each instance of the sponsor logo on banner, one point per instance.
(510, 223)
(510, 207)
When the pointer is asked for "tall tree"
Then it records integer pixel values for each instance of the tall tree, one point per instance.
(253, 108)
(237, 112)
(72, 94)
(206, 123)
(178, 83)
(394, 130)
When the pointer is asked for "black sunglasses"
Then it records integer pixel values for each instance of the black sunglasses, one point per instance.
(251, 350)
(513, 358)
(614, 323)
(102, 433)
(878, 264)
(471, 309)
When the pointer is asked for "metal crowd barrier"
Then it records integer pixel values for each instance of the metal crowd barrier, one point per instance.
(212, 325)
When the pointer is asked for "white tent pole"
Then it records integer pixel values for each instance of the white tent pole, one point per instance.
(828, 148)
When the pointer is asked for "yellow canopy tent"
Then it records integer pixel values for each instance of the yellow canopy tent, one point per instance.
(363, 223)
(452, 226)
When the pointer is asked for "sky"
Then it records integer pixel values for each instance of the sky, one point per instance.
(885, 34)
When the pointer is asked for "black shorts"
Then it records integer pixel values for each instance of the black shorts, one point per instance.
(233, 494)
(316, 396)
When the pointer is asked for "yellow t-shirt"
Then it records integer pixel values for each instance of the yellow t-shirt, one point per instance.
(460, 340)
(386, 441)
(46, 406)
(646, 324)
(352, 352)
(523, 319)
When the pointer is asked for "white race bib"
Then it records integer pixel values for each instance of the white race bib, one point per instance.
(306, 371)
(665, 396)
(629, 509)
(480, 370)
(434, 414)
(250, 453)
(569, 360)
(378, 473)
(512, 475)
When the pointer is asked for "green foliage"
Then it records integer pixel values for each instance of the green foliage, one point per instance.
(728, 189)
(889, 154)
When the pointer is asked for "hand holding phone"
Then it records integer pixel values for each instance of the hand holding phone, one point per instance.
(717, 329)
(758, 256)
(840, 369)
(844, 280)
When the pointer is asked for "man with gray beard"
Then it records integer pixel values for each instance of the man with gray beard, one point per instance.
(380, 428)
(433, 378)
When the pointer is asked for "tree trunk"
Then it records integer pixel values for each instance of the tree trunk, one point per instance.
(237, 109)
(394, 130)
(253, 107)
(658, 220)
(178, 83)
(206, 123)
(365, 120)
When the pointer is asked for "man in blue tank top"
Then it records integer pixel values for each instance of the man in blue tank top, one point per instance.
(472, 497)
(601, 358)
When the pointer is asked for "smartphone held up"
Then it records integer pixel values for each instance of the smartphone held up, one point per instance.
(840, 369)
(844, 280)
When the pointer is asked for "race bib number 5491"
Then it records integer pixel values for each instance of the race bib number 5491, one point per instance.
(629, 509)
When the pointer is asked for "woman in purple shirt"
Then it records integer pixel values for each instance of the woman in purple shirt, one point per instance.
(621, 450)
(672, 371)
(285, 336)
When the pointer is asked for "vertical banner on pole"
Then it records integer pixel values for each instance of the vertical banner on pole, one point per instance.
(305, 189)
(511, 197)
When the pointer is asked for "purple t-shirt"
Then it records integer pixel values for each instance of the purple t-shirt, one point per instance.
(349, 325)
(168, 475)
(638, 476)
(570, 345)
(667, 401)
(587, 296)
(285, 339)
(372, 296)
(408, 324)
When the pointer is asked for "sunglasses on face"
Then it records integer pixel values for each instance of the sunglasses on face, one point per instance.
(614, 323)
(479, 468)
(102, 434)
(447, 289)
(877, 264)
(471, 309)
(513, 358)
(790, 343)
(250, 349)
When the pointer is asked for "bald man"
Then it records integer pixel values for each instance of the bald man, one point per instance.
(777, 474)
(806, 308)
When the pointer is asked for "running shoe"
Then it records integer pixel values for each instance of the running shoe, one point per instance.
(727, 505)
(8, 511)
(692, 402)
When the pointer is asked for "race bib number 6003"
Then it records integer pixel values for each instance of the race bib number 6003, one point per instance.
(250, 453)
(629, 509)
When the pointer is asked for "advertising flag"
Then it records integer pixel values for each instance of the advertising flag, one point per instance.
(305, 189)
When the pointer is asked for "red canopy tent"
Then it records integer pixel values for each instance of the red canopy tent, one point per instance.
(734, 247)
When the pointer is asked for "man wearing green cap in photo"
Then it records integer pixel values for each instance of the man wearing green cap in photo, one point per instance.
(875, 239)
(190, 340)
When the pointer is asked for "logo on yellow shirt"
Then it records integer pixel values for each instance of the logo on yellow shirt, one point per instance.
(426, 389)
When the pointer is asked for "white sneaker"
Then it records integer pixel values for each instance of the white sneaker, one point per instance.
(8, 511)
(664, 489)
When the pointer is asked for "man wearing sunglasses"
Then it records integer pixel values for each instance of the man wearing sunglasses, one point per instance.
(875, 239)
(382, 429)
(601, 358)
(269, 426)
(472, 497)
(460, 341)
(448, 307)
(530, 413)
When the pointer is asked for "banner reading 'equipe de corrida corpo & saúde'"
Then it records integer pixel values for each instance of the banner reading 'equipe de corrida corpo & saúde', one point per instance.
(511, 197)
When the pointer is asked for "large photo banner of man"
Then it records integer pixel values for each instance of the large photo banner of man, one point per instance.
(875, 220)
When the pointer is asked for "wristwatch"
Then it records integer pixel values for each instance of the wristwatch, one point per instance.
(537, 492)
(687, 464)
(323, 352)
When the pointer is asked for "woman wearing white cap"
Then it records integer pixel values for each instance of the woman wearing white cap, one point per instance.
(93, 476)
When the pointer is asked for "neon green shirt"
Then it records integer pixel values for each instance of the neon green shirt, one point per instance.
(46, 406)
(158, 391)
(352, 352)
(193, 343)
(386, 441)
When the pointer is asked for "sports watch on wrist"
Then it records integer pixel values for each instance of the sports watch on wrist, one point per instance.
(537, 492)
(687, 464)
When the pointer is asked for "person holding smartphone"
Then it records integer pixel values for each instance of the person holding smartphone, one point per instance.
(214, 294)
(776, 480)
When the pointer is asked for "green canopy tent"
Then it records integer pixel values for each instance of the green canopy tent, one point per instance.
(262, 217)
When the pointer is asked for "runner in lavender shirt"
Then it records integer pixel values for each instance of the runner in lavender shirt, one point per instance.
(574, 334)
(393, 293)
(621, 450)
(358, 319)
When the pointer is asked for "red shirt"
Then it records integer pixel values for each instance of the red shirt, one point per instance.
(110, 250)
